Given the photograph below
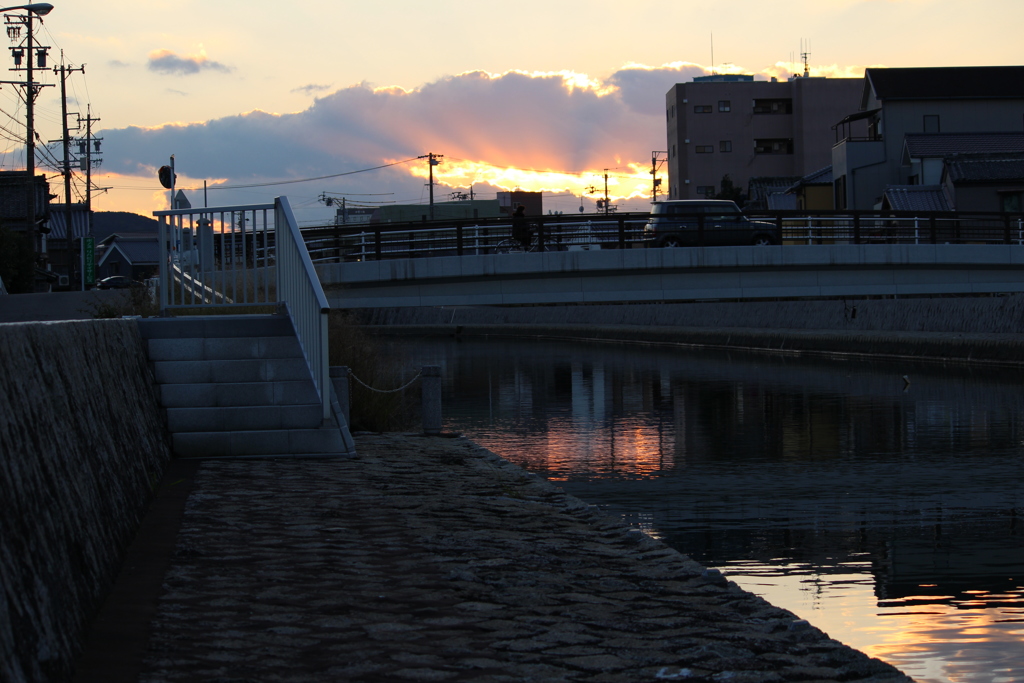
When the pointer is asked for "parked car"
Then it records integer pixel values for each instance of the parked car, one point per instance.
(115, 282)
(676, 223)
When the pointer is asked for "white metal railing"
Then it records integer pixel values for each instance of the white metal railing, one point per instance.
(232, 256)
(298, 287)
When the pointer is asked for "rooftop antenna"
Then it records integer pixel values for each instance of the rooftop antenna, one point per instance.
(805, 54)
(713, 53)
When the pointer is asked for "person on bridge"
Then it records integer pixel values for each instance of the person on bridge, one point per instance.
(521, 227)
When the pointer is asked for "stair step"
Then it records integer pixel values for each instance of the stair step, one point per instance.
(224, 348)
(244, 418)
(324, 441)
(211, 326)
(224, 371)
(238, 394)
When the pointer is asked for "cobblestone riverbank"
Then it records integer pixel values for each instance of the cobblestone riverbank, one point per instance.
(432, 559)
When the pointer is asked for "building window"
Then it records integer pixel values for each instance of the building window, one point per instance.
(702, 109)
(839, 188)
(773, 106)
(725, 146)
(773, 146)
(931, 123)
(673, 150)
(1010, 202)
(705, 149)
(724, 105)
(706, 190)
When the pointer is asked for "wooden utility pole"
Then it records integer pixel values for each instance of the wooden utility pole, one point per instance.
(434, 160)
(64, 72)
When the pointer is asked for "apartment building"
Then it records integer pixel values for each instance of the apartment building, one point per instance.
(733, 125)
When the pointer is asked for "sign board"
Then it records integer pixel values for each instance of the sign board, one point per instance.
(89, 260)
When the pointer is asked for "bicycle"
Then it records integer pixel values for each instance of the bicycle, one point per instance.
(514, 246)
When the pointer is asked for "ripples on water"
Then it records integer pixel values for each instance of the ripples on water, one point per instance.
(887, 513)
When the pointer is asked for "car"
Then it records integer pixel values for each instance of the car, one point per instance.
(678, 223)
(116, 282)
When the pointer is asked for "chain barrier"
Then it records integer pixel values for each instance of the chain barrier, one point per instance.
(387, 391)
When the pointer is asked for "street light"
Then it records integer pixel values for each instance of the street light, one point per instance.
(35, 9)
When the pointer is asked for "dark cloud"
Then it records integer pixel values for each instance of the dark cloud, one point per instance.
(530, 121)
(166, 62)
(118, 64)
(311, 88)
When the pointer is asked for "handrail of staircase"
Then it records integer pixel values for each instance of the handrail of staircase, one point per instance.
(298, 287)
(229, 256)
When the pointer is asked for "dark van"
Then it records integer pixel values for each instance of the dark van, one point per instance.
(677, 223)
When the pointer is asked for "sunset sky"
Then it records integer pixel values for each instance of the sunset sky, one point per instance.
(536, 95)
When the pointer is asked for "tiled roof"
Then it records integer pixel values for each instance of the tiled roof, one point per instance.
(780, 201)
(823, 176)
(920, 145)
(947, 82)
(58, 226)
(975, 168)
(916, 198)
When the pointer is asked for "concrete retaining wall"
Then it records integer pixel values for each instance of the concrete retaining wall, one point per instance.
(82, 443)
(993, 315)
(961, 329)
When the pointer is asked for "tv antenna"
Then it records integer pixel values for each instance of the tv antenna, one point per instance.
(805, 54)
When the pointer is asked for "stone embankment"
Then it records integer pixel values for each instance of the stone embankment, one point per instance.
(82, 443)
(432, 559)
(958, 329)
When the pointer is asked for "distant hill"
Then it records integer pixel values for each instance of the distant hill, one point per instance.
(108, 222)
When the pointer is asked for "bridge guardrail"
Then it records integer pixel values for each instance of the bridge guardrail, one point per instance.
(416, 240)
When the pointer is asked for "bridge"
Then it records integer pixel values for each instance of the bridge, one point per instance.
(688, 274)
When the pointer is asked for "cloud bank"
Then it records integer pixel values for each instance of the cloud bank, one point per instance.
(167, 62)
(565, 124)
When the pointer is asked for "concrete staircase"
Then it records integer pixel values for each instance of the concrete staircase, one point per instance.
(238, 386)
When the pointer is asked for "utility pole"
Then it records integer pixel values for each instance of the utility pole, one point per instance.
(87, 149)
(64, 72)
(657, 158)
(606, 208)
(434, 160)
(34, 53)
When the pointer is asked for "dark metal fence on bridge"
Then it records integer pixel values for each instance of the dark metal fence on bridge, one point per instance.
(368, 242)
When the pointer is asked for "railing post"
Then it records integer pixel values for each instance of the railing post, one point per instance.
(431, 378)
(376, 243)
(933, 229)
(778, 228)
(700, 230)
(540, 233)
(340, 382)
(458, 239)
(1006, 228)
(622, 232)
(856, 227)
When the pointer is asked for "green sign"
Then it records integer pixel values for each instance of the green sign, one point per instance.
(89, 259)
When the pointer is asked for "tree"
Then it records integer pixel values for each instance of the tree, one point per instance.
(730, 191)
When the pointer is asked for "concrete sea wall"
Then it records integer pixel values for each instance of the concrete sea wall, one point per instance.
(82, 443)
(992, 315)
(956, 329)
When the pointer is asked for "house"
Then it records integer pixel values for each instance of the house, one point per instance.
(13, 217)
(64, 261)
(748, 129)
(985, 182)
(884, 143)
(813, 192)
(134, 255)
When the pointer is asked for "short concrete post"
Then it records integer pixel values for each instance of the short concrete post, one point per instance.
(339, 378)
(431, 376)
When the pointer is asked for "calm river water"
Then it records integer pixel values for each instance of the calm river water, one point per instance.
(888, 512)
